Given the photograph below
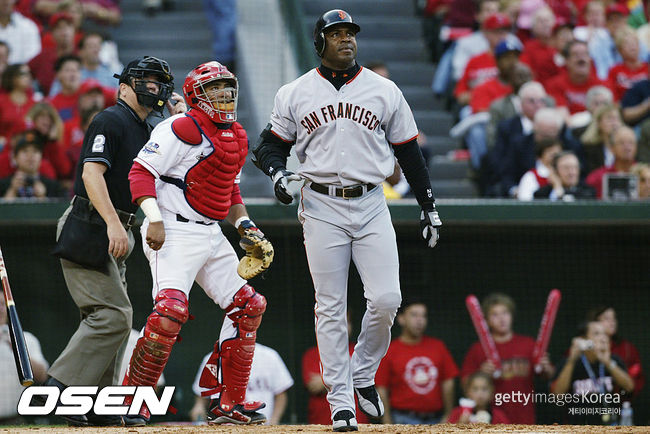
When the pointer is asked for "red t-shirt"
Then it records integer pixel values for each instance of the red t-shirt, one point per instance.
(488, 92)
(516, 373)
(541, 59)
(12, 116)
(621, 78)
(413, 374)
(42, 67)
(571, 95)
(318, 409)
(479, 69)
(498, 416)
(66, 105)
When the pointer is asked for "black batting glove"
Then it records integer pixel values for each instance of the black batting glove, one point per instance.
(430, 225)
(281, 180)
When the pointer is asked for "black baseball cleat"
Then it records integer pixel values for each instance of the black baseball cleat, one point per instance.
(369, 401)
(344, 420)
(72, 420)
(136, 420)
(241, 414)
(103, 420)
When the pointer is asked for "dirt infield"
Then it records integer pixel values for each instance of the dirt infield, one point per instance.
(393, 429)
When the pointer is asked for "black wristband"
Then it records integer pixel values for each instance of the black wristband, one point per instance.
(415, 170)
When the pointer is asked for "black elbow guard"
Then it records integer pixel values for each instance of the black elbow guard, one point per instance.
(270, 151)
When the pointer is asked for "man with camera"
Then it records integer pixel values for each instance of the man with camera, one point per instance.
(590, 369)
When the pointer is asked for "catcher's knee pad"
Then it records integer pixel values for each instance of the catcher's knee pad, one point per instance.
(234, 357)
(160, 333)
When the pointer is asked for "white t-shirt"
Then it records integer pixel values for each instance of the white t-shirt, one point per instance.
(269, 377)
(10, 388)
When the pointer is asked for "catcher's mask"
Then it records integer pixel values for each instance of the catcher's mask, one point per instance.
(136, 74)
(214, 90)
(329, 19)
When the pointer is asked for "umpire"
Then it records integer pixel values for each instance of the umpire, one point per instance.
(94, 236)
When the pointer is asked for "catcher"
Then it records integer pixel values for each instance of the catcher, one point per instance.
(186, 179)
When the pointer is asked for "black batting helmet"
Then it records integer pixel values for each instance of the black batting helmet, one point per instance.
(145, 66)
(328, 19)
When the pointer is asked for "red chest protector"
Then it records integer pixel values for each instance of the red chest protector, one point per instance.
(209, 183)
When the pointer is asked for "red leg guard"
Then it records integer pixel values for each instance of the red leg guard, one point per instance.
(235, 357)
(160, 333)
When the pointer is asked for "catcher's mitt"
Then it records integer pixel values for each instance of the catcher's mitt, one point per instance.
(259, 251)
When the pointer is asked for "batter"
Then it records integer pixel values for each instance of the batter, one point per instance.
(347, 124)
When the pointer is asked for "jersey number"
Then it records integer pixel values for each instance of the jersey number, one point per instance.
(98, 143)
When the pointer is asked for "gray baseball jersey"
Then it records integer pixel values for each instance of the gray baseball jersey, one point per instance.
(343, 138)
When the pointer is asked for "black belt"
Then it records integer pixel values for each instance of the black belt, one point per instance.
(344, 192)
(180, 218)
(127, 219)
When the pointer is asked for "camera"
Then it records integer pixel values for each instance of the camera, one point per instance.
(585, 344)
(29, 181)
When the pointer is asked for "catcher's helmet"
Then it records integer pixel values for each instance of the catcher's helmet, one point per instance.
(145, 66)
(220, 105)
(328, 19)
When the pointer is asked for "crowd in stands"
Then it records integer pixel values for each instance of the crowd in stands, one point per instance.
(530, 79)
(56, 73)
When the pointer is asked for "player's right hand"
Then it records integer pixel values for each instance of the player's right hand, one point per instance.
(281, 180)
(155, 235)
(118, 240)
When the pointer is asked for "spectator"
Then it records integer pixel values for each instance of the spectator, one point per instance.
(68, 72)
(15, 101)
(4, 56)
(222, 16)
(570, 87)
(103, 12)
(10, 388)
(591, 368)
(507, 56)
(642, 170)
(482, 67)
(8, 163)
(603, 50)
(631, 70)
(636, 103)
(539, 51)
(510, 105)
(624, 349)
(433, 14)
(477, 406)
(594, 18)
(44, 65)
(477, 42)
(26, 182)
(416, 377)
(562, 35)
(20, 33)
(91, 65)
(538, 176)
(597, 97)
(596, 140)
(44, 118)
(318, 409)
(564, 180)
(624, 147)
(269, 382)
(516, 354)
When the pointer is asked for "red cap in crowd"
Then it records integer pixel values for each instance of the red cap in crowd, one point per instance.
(616, 8)
(55, 18)
(497, 21)
(90, 85)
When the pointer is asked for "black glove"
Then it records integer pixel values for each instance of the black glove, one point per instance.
(429, 225)
(281, 180)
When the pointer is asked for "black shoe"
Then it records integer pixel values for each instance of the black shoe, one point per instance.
(72, 420)
(103, 420)
(136, 420)
(369, 401)
(241, 414)
(344, 420)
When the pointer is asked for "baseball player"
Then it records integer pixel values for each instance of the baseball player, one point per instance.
(348, 124)
(186, 179)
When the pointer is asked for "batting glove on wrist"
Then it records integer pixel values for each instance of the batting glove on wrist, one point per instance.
(281, 180)
(430, 226)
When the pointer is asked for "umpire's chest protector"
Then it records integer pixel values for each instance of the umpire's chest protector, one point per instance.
(209, 183)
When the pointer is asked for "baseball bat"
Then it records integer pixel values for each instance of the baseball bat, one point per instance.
(546, 327)
(21, 355)
(484, 336)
